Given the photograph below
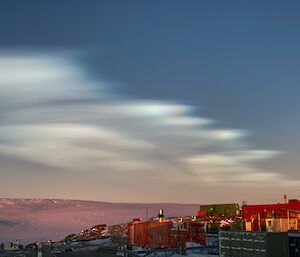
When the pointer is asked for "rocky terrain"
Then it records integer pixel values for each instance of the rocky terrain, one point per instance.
(43, 219)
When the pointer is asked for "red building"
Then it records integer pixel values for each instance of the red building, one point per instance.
(165, 234)
(149, 234)
(257, 213)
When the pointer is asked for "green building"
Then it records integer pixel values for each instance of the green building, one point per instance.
(221, 209)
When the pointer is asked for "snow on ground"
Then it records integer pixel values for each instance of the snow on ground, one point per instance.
(194, 255)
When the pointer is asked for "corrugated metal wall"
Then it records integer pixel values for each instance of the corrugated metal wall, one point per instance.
(253, 244)
(277, 244)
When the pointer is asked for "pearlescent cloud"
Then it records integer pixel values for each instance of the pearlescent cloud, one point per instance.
(53, 114)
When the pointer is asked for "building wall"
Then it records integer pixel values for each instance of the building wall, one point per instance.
(277, 225)
(8, 246)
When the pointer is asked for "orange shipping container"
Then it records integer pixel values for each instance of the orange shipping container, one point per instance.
(201, 213)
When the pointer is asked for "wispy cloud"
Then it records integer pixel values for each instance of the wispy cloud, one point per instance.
(53, 114)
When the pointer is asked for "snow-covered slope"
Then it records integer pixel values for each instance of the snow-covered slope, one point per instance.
(43, 219)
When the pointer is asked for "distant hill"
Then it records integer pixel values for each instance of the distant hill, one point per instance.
(43, 219)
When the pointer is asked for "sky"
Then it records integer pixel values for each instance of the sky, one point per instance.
(150, 101)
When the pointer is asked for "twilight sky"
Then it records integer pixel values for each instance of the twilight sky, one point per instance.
(150, 101)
